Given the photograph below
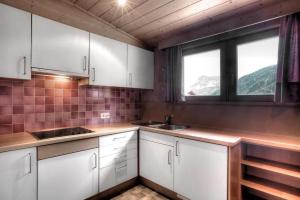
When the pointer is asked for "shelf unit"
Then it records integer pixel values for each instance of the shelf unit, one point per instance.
(269, 173)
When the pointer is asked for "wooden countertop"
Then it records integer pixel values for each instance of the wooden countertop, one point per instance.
(16, 141)
(231, 138)
(227, 138)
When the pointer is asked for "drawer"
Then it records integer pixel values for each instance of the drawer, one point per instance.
(116, 138)
(117, 148)
(117, 158)
(158, 138)
(113, 175)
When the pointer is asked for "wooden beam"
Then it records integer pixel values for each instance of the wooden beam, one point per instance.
(213, 27)
(68, 13)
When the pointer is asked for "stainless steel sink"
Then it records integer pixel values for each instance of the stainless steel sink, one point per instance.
(172, 127)
(161, 125)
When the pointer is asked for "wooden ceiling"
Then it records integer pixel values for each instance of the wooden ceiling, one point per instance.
(153, 20)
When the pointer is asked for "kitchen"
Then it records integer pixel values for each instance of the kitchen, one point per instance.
(147, 99)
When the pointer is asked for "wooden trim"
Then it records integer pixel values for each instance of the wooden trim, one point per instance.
(53, 150)
(159, 189)
(115, 191)
(234, 173)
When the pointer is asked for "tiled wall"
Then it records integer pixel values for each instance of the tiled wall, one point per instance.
(48, 102)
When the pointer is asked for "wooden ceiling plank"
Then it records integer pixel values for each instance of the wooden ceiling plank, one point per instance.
(168, 9)
(139, 11)
(85, 4)
(202, 17)
(118, 11)
(101, 7)
(278, 9)
(199, 7)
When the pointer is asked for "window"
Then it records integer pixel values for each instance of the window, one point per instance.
(202, 76)
(257, 64)
(238, 68)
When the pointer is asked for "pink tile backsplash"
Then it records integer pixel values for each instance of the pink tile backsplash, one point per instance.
(48, 102)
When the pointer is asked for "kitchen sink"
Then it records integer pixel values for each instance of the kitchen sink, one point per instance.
(161, 125)
(60, 132)
(172, 127)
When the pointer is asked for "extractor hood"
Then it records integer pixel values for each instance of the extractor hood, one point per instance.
(42, 71)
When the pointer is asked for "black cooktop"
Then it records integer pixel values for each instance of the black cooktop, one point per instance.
(60, 132)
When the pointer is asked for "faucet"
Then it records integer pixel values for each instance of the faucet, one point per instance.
(168, 119)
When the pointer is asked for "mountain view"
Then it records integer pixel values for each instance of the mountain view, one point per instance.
(260, 82)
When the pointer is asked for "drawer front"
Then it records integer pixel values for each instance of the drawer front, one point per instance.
(117, 138)
(118, 173)
(117, 148)
(117, 158)
(157, 138)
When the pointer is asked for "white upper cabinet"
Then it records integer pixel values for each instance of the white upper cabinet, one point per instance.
(108, 62)
(140, 68)
(200, 170)
(15, 43)
(18, 175)
(59, 47)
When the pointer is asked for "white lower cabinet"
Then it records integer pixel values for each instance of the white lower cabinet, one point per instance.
(18, 174)
(118, 159)
(156, 162)
(69, 177)
(198, 170)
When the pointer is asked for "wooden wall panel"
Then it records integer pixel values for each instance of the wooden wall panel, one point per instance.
(221, 24)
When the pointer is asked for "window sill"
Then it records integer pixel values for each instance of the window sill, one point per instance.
(241, 103)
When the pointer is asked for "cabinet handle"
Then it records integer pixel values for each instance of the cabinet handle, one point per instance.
(130, 79)
(169, 157)
(95, 161)
(118, 138)
(29, 163)
(24, 64)
(177, 148)
(85, 63)
(94, 74)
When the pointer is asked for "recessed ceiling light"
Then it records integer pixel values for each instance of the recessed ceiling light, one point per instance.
(122, 2)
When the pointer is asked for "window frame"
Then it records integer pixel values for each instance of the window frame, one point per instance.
(232, 89)
(228, 66)
(201, 49)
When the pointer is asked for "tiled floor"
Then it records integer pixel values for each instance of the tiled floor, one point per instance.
(140, 193)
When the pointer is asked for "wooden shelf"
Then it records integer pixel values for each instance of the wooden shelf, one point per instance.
(271, 188)
(276, 167)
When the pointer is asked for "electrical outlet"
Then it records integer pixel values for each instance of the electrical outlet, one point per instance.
(105, 115)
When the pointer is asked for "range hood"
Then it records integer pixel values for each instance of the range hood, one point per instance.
(42, 71)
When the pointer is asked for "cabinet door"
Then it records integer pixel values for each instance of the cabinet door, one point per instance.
(156, 163)
(15, 43)
(59, 47)
(72, 176)
(200, 170)
(140, 68)
(18, 175)
(108, 62)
